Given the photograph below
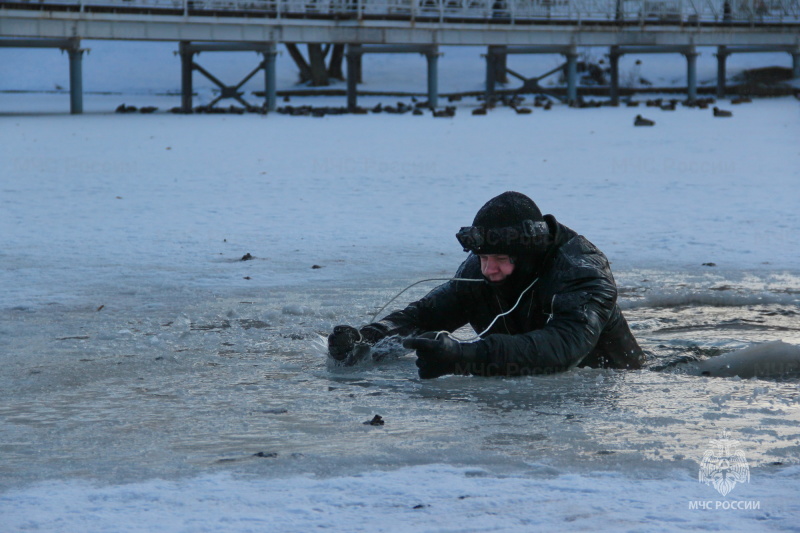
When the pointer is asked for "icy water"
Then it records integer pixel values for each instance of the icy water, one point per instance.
(170, 383)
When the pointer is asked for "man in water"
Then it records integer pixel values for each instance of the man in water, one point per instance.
(541, 297)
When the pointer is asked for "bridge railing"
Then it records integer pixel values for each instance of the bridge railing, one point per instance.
(487, 11)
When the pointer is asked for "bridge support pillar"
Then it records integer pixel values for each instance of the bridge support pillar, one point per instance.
(187, 61)
(496, 62)
(613, 58)
(691, 74)
(75, 77)
(73, 48)
(500, 63)
(354, 53)
(572, 75)
(353, 58)
(796, 64)
(433, 77)
(722, 57)
(491, 75)
(270, 86)
(268, 49)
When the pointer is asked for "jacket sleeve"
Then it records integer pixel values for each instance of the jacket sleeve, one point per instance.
(444, 308)
(581, 305)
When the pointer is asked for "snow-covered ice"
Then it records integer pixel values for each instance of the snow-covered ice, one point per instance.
(154, 380)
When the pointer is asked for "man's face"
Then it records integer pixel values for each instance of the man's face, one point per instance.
(496, 267)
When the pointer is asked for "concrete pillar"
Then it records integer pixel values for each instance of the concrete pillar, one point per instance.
(358, 68)
(76, 78)
(353, 57)
(491, 74)
(613, 58)
(500, 63)
(722, 57)
(433, 77)
(572, 76)
(270, 91)
(796, 64)
(691, 74)
(187, 68)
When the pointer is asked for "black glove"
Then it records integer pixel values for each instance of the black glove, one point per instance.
(439, 354)
(372, 333)
(342, 341)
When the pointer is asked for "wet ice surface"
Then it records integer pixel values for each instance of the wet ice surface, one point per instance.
(186, 385)
(151, 380)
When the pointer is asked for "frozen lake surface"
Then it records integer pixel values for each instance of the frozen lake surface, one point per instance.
(152, 379)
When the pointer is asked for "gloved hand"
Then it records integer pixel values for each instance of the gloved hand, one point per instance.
(342, 341)
(439, 354)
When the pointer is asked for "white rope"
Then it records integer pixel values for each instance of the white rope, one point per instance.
(396, 296)
(473, 338)
(479, 335)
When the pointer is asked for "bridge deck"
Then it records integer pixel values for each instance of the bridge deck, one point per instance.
(442, 22)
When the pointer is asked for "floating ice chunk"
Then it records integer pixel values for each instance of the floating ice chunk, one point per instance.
(182, 323)
(299, 310)
(769, 360)
(319, 345)
(650, 324)
(270, 316)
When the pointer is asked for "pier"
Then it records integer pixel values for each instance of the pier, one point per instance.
(409, 26)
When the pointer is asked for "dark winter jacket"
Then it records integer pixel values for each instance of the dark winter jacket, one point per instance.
(569, 317)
